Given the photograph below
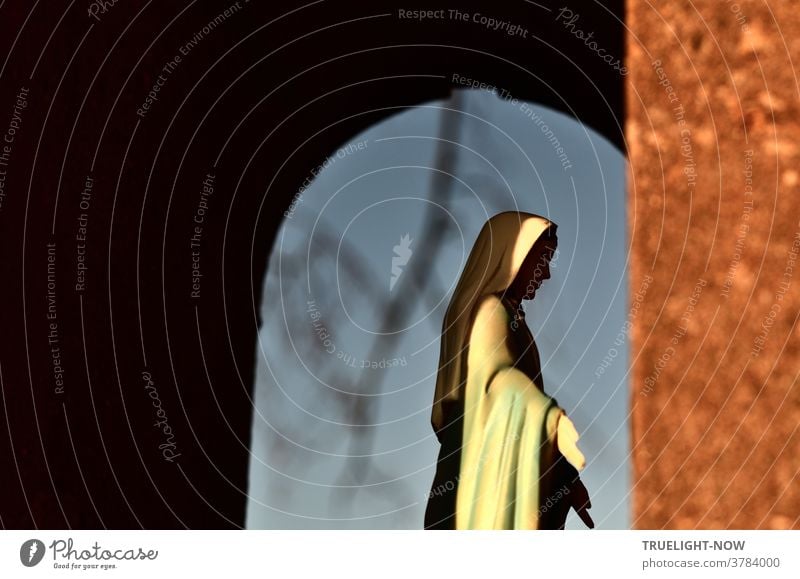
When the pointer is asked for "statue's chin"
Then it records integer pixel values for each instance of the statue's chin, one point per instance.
(530, 296)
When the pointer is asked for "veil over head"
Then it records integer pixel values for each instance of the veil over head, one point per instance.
(494, 262)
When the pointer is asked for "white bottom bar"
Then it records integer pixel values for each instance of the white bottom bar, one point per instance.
(401, 554)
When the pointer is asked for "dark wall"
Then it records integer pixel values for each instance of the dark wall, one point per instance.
(257, 102)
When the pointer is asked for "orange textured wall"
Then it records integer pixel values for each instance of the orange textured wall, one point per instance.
(713, 132)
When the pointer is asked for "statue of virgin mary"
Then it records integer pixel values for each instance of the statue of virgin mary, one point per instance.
(509, 457)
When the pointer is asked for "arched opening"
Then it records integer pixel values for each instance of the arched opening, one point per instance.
(357, 284)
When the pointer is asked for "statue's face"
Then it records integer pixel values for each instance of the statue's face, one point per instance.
(535, 269)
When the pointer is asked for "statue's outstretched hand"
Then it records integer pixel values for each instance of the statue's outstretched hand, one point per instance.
(579, 499)
(567, 439)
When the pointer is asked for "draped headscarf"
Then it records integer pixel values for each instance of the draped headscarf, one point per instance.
(494, 262)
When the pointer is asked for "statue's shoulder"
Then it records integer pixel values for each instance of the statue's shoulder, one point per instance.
(492, 315)
(491, 305)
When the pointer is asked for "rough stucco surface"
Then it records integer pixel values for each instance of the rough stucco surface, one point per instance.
(714, 392)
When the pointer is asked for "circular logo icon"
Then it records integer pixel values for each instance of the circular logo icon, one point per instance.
(31, 552)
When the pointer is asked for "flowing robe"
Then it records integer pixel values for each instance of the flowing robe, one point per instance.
(510, 474)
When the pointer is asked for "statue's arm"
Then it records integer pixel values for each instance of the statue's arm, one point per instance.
(567, 441)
